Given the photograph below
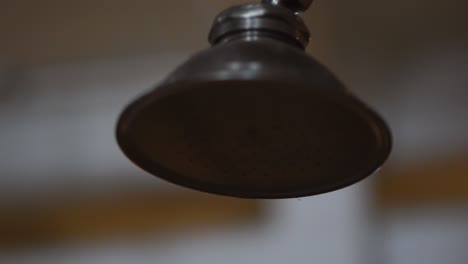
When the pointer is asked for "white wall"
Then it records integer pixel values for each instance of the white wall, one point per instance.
(58, 133)
(430, 235)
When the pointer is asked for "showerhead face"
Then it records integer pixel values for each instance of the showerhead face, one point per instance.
(254, 139)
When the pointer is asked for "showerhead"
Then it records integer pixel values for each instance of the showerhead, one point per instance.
(254, 116)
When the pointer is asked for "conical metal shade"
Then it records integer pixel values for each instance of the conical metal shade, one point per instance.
(255, 119)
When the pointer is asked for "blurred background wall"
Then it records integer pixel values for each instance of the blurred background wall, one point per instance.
(67, 194)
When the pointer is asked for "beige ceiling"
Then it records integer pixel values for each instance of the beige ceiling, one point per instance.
(57, 30)
(36, 32)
